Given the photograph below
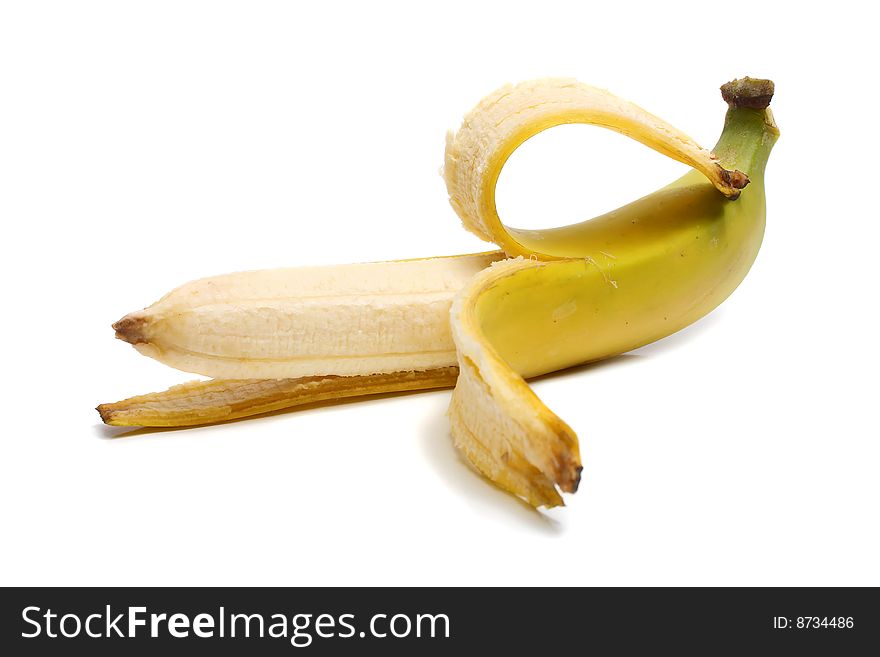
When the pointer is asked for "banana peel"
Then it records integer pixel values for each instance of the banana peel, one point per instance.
(221, 400)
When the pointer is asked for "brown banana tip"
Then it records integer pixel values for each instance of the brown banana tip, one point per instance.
(130, 329)
(105, 412)
(572, 479)
(752, 93)
(736, 180)
(577, 478)
(569, 478)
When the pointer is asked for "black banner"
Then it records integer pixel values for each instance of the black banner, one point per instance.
(516, 621)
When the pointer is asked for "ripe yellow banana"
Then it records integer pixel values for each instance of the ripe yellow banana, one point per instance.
(585, 292)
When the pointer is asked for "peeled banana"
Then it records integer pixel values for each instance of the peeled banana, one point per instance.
(346, 320)
(563, 296)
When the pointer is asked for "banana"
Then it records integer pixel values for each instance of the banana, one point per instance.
(347, 320)
(565, 296)
(640, 273)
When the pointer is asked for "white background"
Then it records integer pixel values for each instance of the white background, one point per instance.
(146, 144)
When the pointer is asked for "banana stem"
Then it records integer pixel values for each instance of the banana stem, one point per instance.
(748, 115)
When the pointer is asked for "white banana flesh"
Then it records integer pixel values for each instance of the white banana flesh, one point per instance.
(346, 320)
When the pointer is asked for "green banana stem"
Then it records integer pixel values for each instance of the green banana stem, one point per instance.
(749, 128)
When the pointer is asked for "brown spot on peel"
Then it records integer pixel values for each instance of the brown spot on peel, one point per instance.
(130, 329)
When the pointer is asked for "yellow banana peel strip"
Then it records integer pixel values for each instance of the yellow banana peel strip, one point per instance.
(568, 295)
(221, 400)
(502, 121)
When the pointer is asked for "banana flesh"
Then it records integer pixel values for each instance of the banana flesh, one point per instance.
(568, 295)
(347, 320)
